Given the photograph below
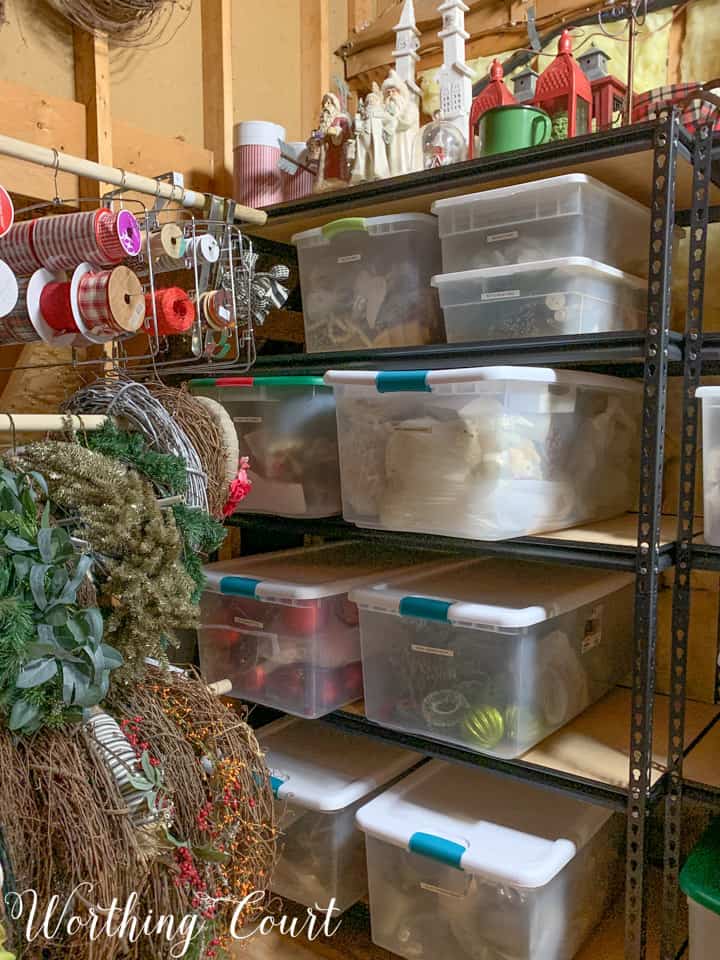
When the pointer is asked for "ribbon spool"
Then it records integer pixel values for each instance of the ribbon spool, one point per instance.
(216, 310)
(107, 303)
(50, 332)
(17, 250)
(8, 290)
(62, 242)
(204, 246)
(174, 310)
(167, 249)
(7, 212)
(15, 325)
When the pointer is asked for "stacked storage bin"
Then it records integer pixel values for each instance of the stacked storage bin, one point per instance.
(547, 258)
(320, 777)
(281, 628)
(700, 882)
(466, 865)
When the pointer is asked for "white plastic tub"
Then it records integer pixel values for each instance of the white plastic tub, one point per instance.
(485, 453)
(281, 628)
(492, 654)
(569, 216)
(366, 283)
(286, 426)
(700, 881)
(320, 777)
(710, 397)
(545, 298)
(464, 865)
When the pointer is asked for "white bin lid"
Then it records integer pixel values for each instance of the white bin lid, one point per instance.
(576, 265)
(535, 186)
(391, 223)
(443, 381)
(504, 830)
(491, 592)
(310, 573)
(318, 767)
(707, 392)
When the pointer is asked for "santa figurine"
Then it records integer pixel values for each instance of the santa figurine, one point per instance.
(402, 122)
(331, 146)
(371, 159)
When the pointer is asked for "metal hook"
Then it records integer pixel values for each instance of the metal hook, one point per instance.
(56, 173)
(13, 434)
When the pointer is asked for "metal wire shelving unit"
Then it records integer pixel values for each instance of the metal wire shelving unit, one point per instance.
(665, 162)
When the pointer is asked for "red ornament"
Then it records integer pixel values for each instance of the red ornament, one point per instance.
(352, 677)
(7, 212)
(330, 689)
(287, 682)
(253, 680)
(563, 89)
(348, 612)
(495, 94)
(304, 621)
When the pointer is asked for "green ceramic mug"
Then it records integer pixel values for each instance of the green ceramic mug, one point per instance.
(516, 127)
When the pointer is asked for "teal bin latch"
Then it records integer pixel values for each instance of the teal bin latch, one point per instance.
(239, 586)
(437, 848)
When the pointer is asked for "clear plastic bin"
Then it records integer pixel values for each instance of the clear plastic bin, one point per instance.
(485, 453)
(492, 654)
(549, 298)
(700, 881)
(320, 777)
(465, 865)
(569, 216)
(366, 283)
(710, 397)
(286, 426)
(281, 628)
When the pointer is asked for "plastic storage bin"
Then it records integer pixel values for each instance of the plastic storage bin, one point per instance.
(485, 453)
(569, 216)
(541, 299)
(321, 776)
(700, 882)
(286, 426)
(710, 397)
(281, 628)
(493, 654)
(464, 865)
(366, 283)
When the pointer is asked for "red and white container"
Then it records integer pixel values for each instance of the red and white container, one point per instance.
(258, 181)
(301, 182)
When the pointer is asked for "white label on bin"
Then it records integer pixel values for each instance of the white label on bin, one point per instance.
(350, 258)
(500, 295)
(498, 237)
(438, 651)
(247, 419)
(593, 630)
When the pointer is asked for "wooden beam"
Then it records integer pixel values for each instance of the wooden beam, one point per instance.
(217, 90)
(314, 60)
(360, 14)
(92, 89)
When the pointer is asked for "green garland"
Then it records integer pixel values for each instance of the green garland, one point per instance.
(145, 594)
(201, 533)
(53, 662)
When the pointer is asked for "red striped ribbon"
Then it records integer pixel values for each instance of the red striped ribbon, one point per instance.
(16, 326)
(17, 250)
(94, 304)
(257, 177)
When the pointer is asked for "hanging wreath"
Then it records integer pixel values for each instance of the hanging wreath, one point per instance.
(128, 23)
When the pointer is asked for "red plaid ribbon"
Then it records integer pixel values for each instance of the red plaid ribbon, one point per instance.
(16, 249)
(649, 105)
(64, 241)
(108, 238)
(16, 326)
(94, 303)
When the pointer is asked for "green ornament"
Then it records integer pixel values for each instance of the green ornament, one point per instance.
(523, 724)
(485, 725)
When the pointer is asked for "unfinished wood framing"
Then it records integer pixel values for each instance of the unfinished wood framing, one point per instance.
(92, 90)
(314, 60)
(217, 90)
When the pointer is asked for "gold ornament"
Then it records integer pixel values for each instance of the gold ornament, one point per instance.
(485, 725)
(523, 724)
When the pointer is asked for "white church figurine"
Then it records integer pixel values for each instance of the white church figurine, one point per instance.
(455, 77)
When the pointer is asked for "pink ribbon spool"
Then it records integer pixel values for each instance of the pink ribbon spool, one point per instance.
(118, 236)
(17, 250)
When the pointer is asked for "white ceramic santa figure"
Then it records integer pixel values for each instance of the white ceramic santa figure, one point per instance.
(402, 122)
(329, 145)
(371, 158)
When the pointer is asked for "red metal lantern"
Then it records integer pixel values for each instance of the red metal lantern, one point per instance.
(564, 92)
(495, 94)
(608, 95)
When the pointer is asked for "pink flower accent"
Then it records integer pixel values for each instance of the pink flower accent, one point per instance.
(239, 488)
